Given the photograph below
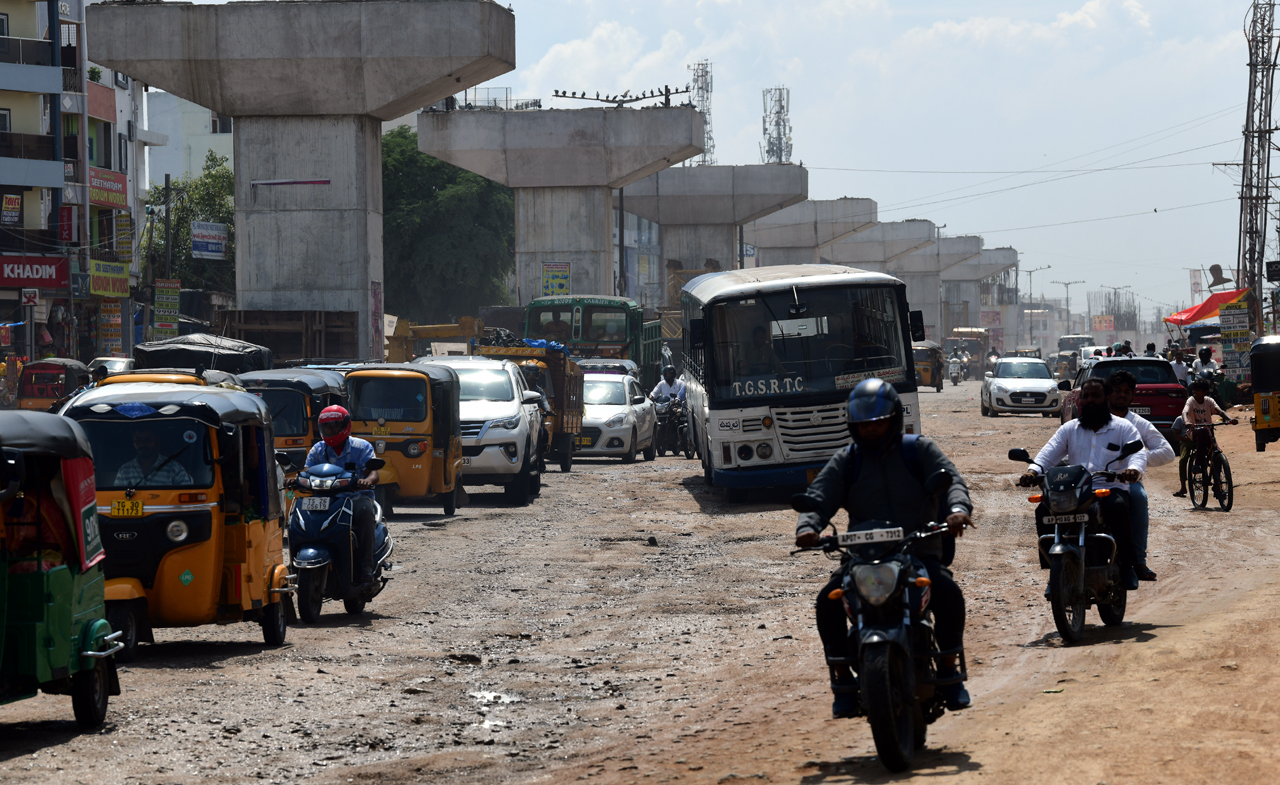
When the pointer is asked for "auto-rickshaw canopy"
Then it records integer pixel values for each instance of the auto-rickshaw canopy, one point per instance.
(175, 376)
(315, 382)
(1264, 364)
(42, 433)
(208, 351)
(213, 406)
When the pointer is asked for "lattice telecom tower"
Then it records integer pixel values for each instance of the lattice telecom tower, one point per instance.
(1255, 177)
(776, 147)
(702, 100)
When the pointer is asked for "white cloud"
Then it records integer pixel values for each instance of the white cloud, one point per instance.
(1137, 13)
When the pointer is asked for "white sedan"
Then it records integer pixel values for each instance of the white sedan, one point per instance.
(618, 419)
(1020, 384)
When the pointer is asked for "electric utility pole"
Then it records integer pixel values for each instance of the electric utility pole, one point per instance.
(1067, 285)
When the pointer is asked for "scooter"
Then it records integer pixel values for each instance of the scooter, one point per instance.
(323, 545)
(954, 371)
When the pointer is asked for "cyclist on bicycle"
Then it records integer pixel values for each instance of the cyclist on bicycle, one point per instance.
(1197, 414)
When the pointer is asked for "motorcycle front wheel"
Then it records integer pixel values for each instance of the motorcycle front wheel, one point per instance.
(1068, 604)
(889, 708)
(311, 593)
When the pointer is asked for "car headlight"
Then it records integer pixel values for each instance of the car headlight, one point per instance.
(509, 424)
(876, 582)
(764, 450)
(1000, 388)
(615, 420)
(177, 531)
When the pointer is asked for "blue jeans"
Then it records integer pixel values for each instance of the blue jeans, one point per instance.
(1139, 520)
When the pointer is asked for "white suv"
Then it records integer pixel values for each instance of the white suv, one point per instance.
(500, 424)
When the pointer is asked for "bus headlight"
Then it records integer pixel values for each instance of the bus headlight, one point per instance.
(177, 531)
(745, 453)
(764, 450)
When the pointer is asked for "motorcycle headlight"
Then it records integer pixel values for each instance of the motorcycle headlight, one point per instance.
(177, 531)
(509, 424)
(764, 450)
(875, 582)
(615, 420)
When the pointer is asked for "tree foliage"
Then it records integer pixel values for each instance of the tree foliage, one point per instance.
(210, 196)
(448, 235)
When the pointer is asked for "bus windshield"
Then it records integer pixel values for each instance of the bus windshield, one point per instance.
(1070, 343)
(831, 339)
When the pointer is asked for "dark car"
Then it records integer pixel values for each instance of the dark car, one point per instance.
(1159, 396)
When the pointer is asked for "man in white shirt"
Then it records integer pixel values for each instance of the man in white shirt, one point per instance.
(1094, 440)
(669, 386)
(1205, 363)
(1159, 452)
(1180, 368)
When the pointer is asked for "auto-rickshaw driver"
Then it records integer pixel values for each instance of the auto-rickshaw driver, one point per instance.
(340, 448)
(147, 464)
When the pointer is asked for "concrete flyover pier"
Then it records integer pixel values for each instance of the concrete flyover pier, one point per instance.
(564, 165)
(800, 233)
(309, 84)
(701, 207)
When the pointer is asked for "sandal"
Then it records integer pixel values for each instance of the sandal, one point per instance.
(1180, 494)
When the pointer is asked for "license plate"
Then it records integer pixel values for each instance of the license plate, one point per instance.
(315, 503)
(126, 508)
(466, 461)
(1140, 409)
(381, 430)
(871, 535)
(583, 441)
(811, 475)
(1081, 518)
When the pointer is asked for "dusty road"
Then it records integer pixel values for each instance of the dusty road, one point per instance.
(631, 626)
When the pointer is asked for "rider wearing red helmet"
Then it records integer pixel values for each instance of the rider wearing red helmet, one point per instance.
(339, 447)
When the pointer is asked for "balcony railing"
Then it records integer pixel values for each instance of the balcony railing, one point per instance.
(25, 51)
(71, 80)
(32, 147)
(28, 241)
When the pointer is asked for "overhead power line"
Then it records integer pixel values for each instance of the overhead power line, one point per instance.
(1012, 171)
(1155, 211)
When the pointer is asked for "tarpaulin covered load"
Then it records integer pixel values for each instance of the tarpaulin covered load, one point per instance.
(211, 351)
(1207, 309)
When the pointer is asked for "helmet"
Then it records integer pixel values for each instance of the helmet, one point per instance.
(872, 400)
(335, 425)
(670, 370)
(1117, 346)
(1205, 352)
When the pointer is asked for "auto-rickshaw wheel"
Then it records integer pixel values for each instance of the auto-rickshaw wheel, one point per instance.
(451, 500)
(89, 695)
(1259, 442)
(274, 625)
(566, 459)
(122, 615)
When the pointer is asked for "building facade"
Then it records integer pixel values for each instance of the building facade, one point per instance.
(193, 132)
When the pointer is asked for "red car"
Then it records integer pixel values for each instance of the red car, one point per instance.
(1159, 396)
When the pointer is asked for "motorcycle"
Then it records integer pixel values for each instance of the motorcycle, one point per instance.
(672, 427)
(323, 545)
(885, 592)
(954, 371)
(1079, 554)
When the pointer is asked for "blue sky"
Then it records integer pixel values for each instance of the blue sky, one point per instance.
(980, 86)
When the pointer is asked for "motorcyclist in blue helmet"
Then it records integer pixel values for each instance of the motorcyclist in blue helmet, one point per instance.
(881, 477)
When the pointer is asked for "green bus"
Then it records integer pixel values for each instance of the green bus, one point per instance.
(599, 326)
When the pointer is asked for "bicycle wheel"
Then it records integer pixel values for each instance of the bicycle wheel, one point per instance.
(1198, 485)
(1228, 490)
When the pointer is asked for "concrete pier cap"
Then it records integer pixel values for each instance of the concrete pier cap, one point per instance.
(308, 83)
(564, 165)
(800, 233)
(880, 247)
(701, 207)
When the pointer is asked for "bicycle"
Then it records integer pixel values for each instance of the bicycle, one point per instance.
(1201, 473)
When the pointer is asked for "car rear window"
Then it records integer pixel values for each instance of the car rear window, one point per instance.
(1154, 372)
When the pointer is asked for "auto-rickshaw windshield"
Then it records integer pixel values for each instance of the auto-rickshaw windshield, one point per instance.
(288, 411)
(170, 453)
(403, 399)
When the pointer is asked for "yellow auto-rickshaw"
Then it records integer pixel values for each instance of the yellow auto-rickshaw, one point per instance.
(45, 382)
(929, 364)
(190, 508)
(1264, 372)
(295, 397)
(409, 412)
(1062, 365)
(200, 376)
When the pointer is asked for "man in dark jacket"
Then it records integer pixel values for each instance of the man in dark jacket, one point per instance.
(875, 481)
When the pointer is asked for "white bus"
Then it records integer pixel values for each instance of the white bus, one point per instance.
(770, 355)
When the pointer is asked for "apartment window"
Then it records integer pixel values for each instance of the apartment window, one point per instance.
(122, 80)
(105, 130)
(4, 120)
(4, 25)
(221, 123)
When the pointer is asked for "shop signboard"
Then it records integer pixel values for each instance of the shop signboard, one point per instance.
(66, 224)
(208, 240)
(164, 323)
(1233, 320)
(124, 237)
(109, 327)
(1104, 324)
(108, 189)
(17, 272)
(108, 279)
(555, 279)
(11, 209)
(80, 286)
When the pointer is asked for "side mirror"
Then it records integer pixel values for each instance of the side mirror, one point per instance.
(530, 396)
(989, 374)
(636, 400)
(1019, 454)
(1131, 448)
(916, 320)
(284, 462)
(938, 482)
(374, 464)
(1065, 385)
(803, 502)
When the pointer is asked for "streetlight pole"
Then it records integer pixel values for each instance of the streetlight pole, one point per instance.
(1031, 298)
(1067, 285)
